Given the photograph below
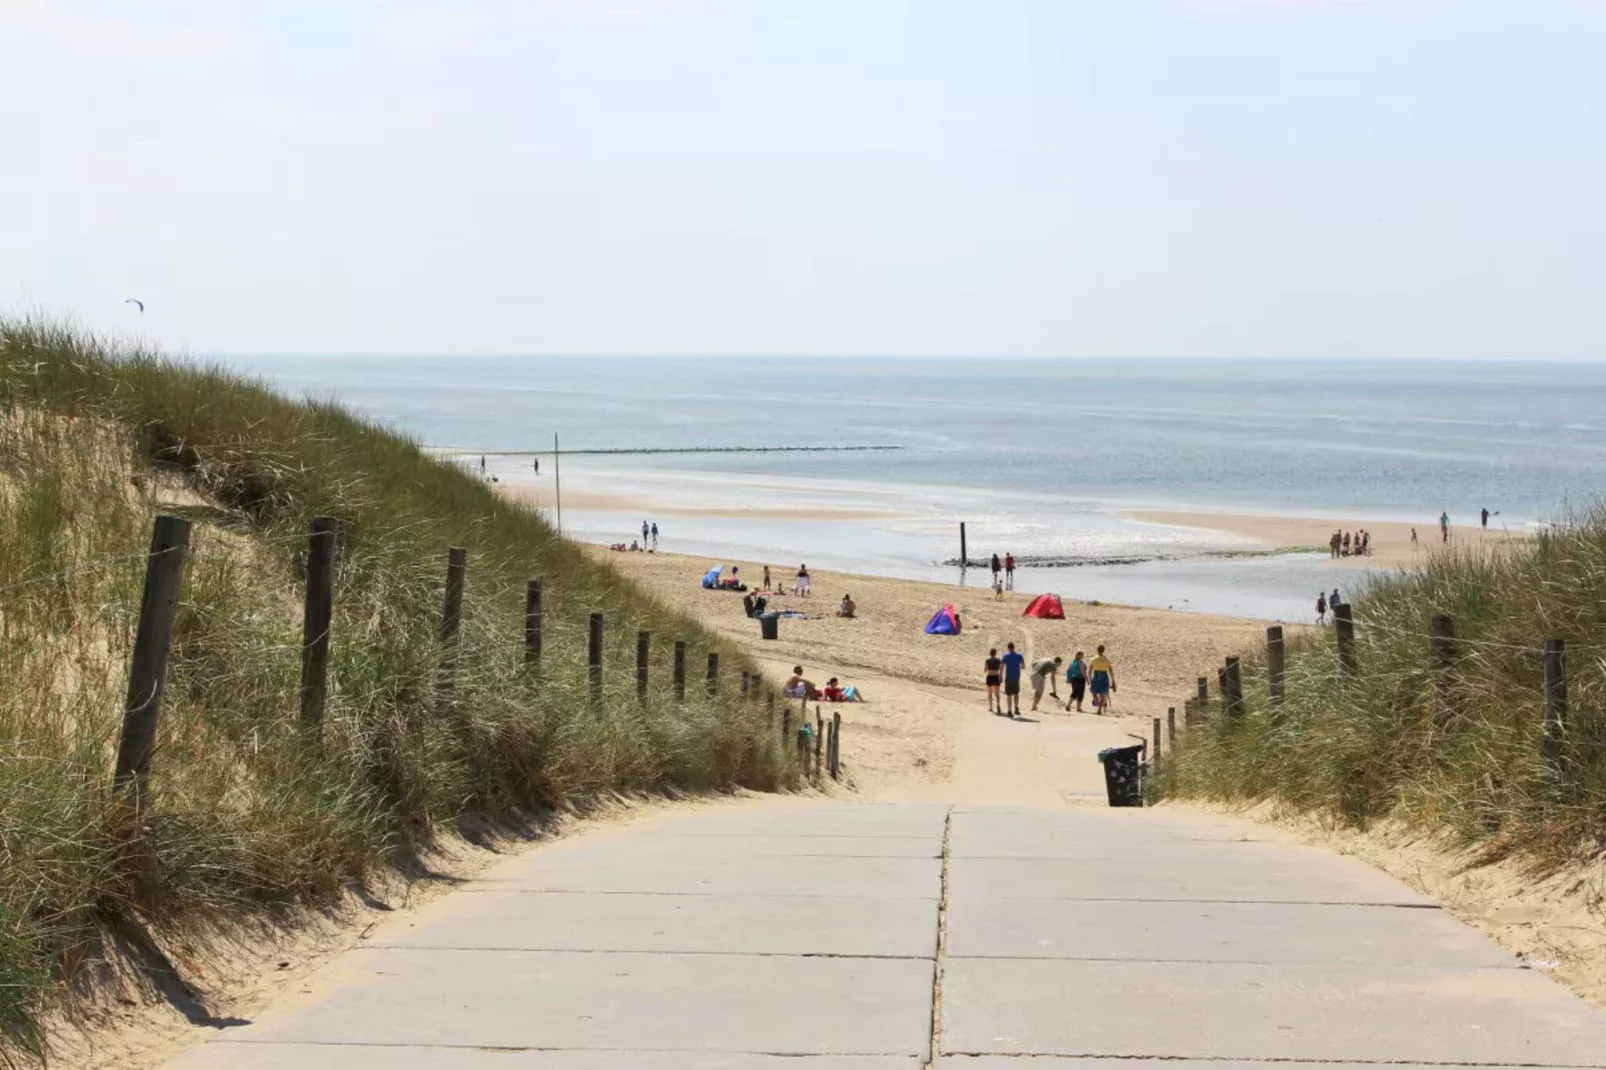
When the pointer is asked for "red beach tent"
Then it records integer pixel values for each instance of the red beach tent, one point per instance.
(1046, 606)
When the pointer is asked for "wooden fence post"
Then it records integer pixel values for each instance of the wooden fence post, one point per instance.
(1555, 704)
(1171, 726)
(803, 751)
(1233, 688)
(1190, 712)
(316, 617)
(452, 619)
(643, 660)
(819, 739)
(680, 668)
(594, 653)
(769, 700)
(147, 671)
(1344, 629)
(713, 672)
(786, 727)
(1276, 675)
(836, 745)
(1156, 758)
(532, 623)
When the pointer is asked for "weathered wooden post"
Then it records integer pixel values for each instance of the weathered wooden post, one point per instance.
(964, 556)
(744, 683)
(147, 671)
(1171, 726)
(680, 668)
(1555, 705)
(1204, 694)
(1276, 676)
(643, 660)
(836, 745)
(315, 620)
(1190, 712)
(452, 619)
(1344, 629)
(1156, 758)
(819, 740)
(594, 654)
(1232, 690)
(713, 672)
(532, 623)
(803, 751)
(769, 701)
(786, 726)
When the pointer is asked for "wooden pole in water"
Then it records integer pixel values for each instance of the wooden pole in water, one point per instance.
(964, 557)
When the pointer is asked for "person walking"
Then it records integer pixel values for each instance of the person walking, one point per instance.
(1321, 608)
(1414, 543)
(1013, 661)
(1009, 571)
(1103, 674)
(993, 669)
(1076, 677)
(655, 534)
(646, 530)
(1045, 671)
(537, 466)
(1485, 518)
(998, 566)
(802, 587)
(1332, 544)
(1444, 526)
(1333, 601)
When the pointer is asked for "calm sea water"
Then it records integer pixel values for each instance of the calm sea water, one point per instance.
(1038, 456)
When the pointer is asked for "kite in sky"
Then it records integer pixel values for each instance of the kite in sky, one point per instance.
(134, 301)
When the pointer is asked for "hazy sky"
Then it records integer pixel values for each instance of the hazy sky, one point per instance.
(1414, 178)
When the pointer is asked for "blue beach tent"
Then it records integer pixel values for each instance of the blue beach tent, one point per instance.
(946, 622)
(711, 577)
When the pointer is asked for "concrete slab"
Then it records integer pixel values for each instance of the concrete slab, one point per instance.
(837, 819)
(626, 871)
(577, 921)
(222, 1055)
(778, 1005)
(1180, 876)
(1304, 934)
(676, 842)
(1095, 834)
(1249, 1012)
(1055, 1062)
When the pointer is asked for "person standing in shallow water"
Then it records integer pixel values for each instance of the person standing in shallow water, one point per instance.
(655, 534)
(998, 566)
(1009, 571)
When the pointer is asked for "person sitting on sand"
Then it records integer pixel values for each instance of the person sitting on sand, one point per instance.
(1044, 671)
(994, 670)
(848, 608)
(796, 686)
(1103, 680)
(1076, 677)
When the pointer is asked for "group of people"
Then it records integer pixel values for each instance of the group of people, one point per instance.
(1003, 574)
(1348, 544)
(647, 544)
(799, 686)
(1082, 675)
(800, 584)
(1326, 602)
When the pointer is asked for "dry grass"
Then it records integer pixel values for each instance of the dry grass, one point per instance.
(245, 812)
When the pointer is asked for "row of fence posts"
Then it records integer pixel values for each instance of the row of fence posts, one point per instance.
(1442, 647)
(153, 637)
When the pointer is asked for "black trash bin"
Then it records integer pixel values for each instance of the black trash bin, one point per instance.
(1123, 774)
(769, 626)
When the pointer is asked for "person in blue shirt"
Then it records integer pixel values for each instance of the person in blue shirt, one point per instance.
(1014, 662)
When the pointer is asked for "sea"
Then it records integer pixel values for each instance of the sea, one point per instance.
(870, 465)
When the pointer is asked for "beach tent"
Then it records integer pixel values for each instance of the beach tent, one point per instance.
(1046, 606)
(946, 622)
(711, 577)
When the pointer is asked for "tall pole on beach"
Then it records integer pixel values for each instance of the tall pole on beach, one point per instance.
(963, 557)
(557, 480)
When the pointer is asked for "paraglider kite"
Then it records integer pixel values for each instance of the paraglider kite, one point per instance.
(134, 301)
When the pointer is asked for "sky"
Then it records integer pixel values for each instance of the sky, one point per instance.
(1099, 178)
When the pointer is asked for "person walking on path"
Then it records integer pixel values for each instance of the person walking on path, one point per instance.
(802, 588)
(1103, 674)
(1076, 677)
(1013, 661)
(655, 534)
(994, 670)
(1045, 671)
(1485, 516)
(998, 566)
(1321, 608)
(1009, 571)
(1444, 526)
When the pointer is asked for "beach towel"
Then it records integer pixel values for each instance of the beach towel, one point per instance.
(946, 622)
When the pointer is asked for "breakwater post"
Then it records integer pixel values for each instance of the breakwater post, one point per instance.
(964, 557)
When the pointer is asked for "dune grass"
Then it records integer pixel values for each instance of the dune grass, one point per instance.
(244, 811)
(1460, 752)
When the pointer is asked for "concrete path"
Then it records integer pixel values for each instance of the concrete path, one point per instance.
(859, 937)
